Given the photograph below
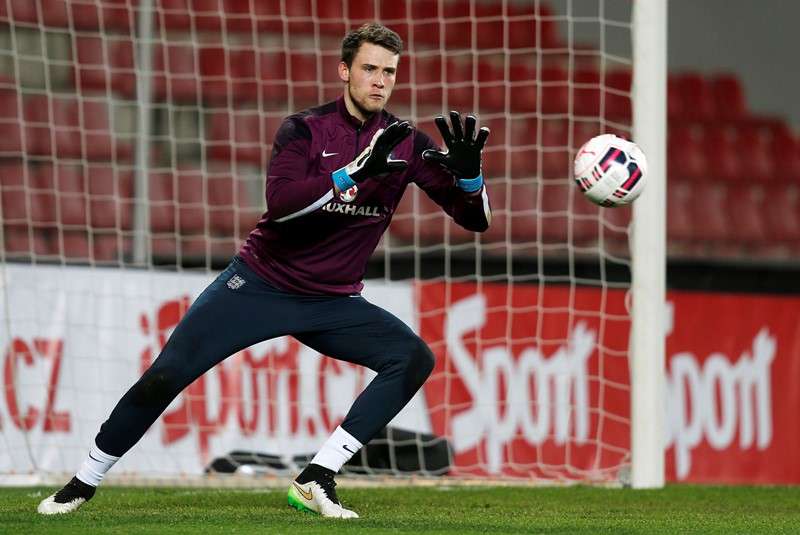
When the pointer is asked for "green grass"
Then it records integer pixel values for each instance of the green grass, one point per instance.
(675, 509)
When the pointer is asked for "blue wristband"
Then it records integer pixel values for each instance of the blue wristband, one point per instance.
(342, 179)
(470, 185)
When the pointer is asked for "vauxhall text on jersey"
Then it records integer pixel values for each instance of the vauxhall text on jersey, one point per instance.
(314, 241)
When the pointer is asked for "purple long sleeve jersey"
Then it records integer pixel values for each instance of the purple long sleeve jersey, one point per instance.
(314, 241)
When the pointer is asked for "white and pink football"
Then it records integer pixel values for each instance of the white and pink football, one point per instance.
(610, 171)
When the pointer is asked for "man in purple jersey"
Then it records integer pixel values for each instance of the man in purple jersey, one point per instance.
(336, 176)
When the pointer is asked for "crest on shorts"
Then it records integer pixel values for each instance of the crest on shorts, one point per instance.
(236, 282)
(349, 194)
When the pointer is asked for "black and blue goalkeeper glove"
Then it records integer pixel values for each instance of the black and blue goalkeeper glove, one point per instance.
(463, 156)
(375, 159)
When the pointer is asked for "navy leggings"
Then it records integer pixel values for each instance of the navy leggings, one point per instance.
(224, 320)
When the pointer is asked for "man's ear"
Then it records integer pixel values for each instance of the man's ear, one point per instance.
(344, 72)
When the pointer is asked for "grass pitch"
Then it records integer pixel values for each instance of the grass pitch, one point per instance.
(461, 510)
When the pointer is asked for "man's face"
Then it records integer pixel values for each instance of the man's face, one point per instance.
(370, 79)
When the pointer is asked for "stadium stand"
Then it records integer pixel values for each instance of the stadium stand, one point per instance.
(226, 66)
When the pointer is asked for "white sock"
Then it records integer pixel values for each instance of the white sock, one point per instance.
(95, 466)
(337, 450)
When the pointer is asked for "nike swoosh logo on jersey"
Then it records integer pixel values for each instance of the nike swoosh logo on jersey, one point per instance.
(308, 495)
(326, 154)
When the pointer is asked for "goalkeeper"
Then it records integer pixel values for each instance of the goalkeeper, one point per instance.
(336, 176)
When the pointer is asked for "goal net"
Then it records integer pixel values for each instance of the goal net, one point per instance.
(135, 140)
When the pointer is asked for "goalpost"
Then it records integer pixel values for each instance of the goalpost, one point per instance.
(135, 139)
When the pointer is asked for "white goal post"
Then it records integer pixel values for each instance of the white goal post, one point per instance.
(648, 247)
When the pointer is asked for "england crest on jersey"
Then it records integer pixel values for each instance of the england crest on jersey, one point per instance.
(349, 195)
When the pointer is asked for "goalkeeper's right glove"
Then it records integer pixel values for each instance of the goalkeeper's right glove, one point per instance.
(374, 160)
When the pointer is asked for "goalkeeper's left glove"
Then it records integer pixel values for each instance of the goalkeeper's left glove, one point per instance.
(463, 156)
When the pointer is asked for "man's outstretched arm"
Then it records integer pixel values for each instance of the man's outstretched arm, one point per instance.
(453, 178)
(293, 192)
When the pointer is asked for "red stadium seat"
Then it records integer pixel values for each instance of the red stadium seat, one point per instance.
(710, 214)
(304, 81)
(175, 72)
(104, 14)
(556, 156)
(331, 15)
(617, 91)
(586, 93)
(190, 14)
(45, 128)
(752, 146)
(554, 90)
(400, 15)
(523, 213)
(785, 153)
(218, 72)
(57, 13)
(245, 73)
(523, 145)
(73, 245)
(104, 63)
(555, 210)
(13, 193)
(745, 203)
(680, 226)
(686, 155)
(162, 197)
(70, 194)
(272, 77)
(28, 211)
(674, 99)
(489, 25)
(110, 197)
(162, 204)
(523, 84)
(781, 209)
(15, 11)
(238, 136)
(724, 156)
(428, 78)
(71, 128)
(695, 95)
(457, 25)
(529, 27)
(191, 212)
(11, 142)
(585, 216)
(728, 97)
(459, 83)
(492, 94)
(16, 224)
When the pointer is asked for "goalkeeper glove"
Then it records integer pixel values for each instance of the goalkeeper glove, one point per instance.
(375, 159)
(463, 156)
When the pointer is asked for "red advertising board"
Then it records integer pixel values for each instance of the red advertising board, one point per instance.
(533, 381)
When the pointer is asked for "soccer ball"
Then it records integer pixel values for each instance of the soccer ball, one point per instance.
(610, 171)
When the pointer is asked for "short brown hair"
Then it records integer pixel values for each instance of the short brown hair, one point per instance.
(374, 33)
